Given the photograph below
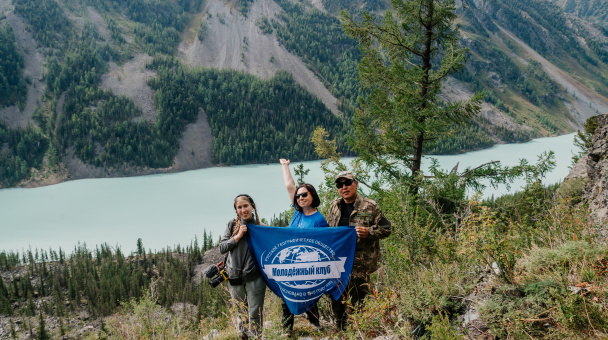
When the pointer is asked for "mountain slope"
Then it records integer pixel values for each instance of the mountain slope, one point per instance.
(14, 115)
(534, 66)
(232, 41)
(584, 101)
(594, 10)
(88, 66)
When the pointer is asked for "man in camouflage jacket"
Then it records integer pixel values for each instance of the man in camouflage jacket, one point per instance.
(351, 209)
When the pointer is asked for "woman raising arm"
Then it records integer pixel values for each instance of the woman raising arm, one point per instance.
(305, 201)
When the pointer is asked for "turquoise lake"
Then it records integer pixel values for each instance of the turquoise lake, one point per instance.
(170, 209)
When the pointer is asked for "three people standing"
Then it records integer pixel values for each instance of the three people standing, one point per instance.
(246, 285)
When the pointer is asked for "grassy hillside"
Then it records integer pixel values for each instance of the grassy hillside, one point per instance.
(528, 265)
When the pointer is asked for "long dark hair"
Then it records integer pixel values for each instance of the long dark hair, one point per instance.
(237, 221)
(315, 198)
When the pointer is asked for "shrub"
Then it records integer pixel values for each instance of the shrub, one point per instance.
(552, 297)
(380, 316)
(147, 320)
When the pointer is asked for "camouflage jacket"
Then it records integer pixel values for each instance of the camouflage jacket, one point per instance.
(366, 213)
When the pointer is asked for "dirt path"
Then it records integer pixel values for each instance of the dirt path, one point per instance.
(33, 67)
(584, 102)
(235, 42)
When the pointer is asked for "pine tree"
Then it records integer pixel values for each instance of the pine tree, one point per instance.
(61, 256)
(31, 307)
(199, 311)
(102, 334)
(405, 58)
(42, 333)
(140, 247)
(300, 172)
(41, 286)
(3, 289)
(205, 241)
(62, 326)
(12, 329)
(15, 286)
(196, 251)
(5, 306)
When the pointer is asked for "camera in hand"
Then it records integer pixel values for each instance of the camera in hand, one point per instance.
(216, 273)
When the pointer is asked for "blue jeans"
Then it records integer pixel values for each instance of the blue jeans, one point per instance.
(248, 298)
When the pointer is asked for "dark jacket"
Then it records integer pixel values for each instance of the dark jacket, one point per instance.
(239, 263)
(367, 213)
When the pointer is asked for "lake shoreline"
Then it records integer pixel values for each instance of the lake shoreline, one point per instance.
(77, 170)
(166, 209)
(51, 177)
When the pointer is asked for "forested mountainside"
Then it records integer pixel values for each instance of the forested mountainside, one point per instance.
(594, 10)
(92, 88)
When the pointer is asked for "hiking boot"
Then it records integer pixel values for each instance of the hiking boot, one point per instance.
(288, 331)
(317, 326)
(340, 327)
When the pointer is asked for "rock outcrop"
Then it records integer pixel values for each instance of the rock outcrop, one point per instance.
(211, 256)
(588, 179)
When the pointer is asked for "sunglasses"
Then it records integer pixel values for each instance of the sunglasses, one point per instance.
(348, 182)
(303, 195)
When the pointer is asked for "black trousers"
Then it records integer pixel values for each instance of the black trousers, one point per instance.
(356, 290)
(312, 315)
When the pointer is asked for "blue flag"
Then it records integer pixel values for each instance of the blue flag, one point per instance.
(301, 264)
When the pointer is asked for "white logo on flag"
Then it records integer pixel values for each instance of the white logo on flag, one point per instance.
(303, 267)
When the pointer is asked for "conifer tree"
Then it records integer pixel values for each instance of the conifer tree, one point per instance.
(62, 326)
(405, 57)
(196, 251)
(61, 256)
(31, 307)
(41, 286)
(300, 172)
(140, 247)
(3, 289)
(199, 311)
(12, 329)
(5, 306)
(28, 324)
(205, 241)
(42, 333)
(15, 286)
